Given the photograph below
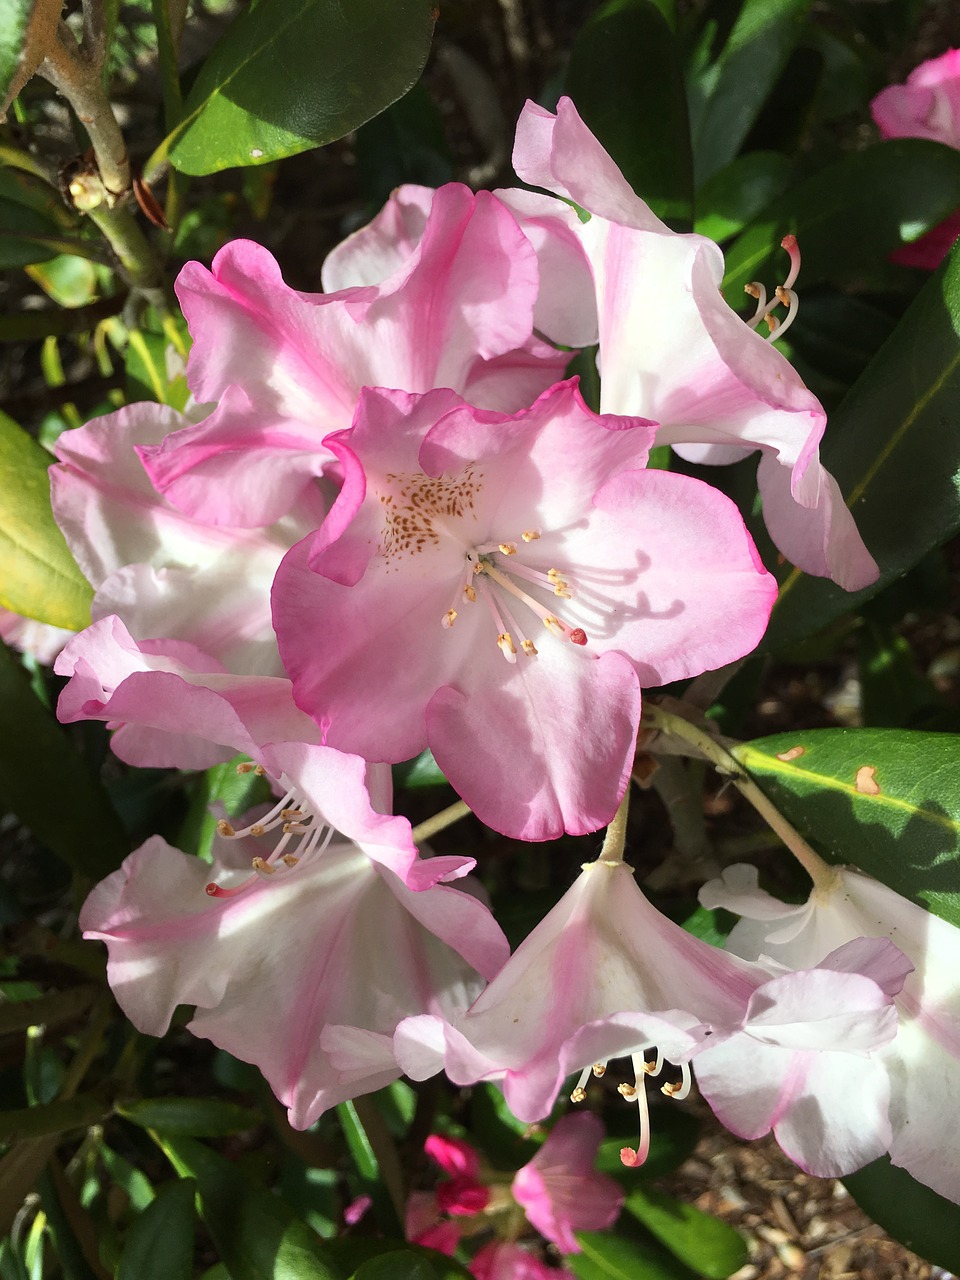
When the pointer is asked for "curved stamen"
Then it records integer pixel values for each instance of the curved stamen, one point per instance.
(633, 1159)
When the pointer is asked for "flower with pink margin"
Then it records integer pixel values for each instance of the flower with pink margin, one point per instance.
(505, 1261)
(670, 347)
(560, 1190)
(923, 1062)
(304, 972)
(927, 106)
(463, 1194)
(606, 975)
(456, 311)
(498, 588)
(163, 572)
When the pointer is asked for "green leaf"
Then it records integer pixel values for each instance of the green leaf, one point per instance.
(849, 215)
(38, 576)
(885, 800)
(293, 74)
(221, 785)
(256, 1234)
(58, 1006)
(405, 143)
(891, 449)
(621, 1257)
(894, 693)
(910, 1212)
(738, 192)
(422, 771)
(736, 88)
(19, 1170)
(160, 1243)
(190, 1117)
(53, 1117)
(47, 784)
(703, 1242)
(398, 1265)
(641, 118)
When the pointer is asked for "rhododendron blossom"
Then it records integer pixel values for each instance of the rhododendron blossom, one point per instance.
(672, 350)
(305, 972)
(506, 1261)
(927, 106)
(923, 1062)
(286, 367)
(498, 588)
(605, 975)
(559, 1189)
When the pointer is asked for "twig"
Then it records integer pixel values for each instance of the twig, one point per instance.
(445, 818)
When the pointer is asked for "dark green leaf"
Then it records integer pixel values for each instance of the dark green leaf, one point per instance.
(38, 576)
(293, 74)
(19, 1170)
(621, 1257)
(59, 1006)
(422, 771)
(736, 88)
(891, 448)
(625, 77)
(48, 785)
(405, 143)
(738, 192)
(849, 215)
(894, 693)
(703, 1242)
(674, 1132)
(53, 1117)
(256, 1234)
(398, 1265)
(190, 1117)
(160, 1243)
(910, 1212)
(354, 1254)
(885, 800)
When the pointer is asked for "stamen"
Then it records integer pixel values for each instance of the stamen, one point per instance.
(448, 619)
(633, 1159)
(506, 646)
(756, 290)
(599, 1069)
(680, 1089)
(580, 1092)
(529, 648)
(264, 867)
(530, 535)
(507, 548)
(556, 626)
(470, 594)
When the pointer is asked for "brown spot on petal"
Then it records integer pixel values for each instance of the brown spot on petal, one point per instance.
(794, 753)
(866, 782)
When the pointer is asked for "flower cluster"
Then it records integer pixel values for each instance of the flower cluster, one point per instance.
(386, 521)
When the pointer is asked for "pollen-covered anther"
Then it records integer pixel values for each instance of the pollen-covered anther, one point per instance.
(470, 594)
(259, 770)
(529, 648)
(578, 1095)
(294, 829)
(507, 548)
(599, 1069)
(671, 1088)
(530, 535)
(290, 859)
(258, 829)
(625, 1090)
(246, 766)
(225, 829)
(448, 619)
(263, 867)
(553, 625)
(506, 646)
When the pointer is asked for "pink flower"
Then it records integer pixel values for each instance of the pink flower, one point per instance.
(39, 640)
(463, 1194)
(456, 311)
(927, 106)
(505, 1261)
(605, 975)
(422, 1224)
(499, 587)
(923, 1062)
(162, 572)
(670, 347)
(304, 972)
(559, 1190)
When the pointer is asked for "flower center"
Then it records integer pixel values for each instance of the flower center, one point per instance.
(492, 571)
(302, 832)
(637, 1092)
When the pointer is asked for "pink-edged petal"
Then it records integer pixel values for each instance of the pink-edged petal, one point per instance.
(842, 1120)
(237, 467)
(671, 577)
(820, 537)
(453, 1155)
(520, 727)
(384, 246)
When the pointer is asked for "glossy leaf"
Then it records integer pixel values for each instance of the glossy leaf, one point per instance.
(405, 143)
(190, 1117)
(59, 1116)
(160, 1242)
(886, 800)
(925, 1222)
(359, 1258)
(849, 215)
(709, 1246)
(293, 74)
(422, 771)
(738, 192)
(40, 762)
(641, 118)
(38, 576)
(401, 1264)
(256, 1234)
(622, 1257)
(891, 449)
(762, 39)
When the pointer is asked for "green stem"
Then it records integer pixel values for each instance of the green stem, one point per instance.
(139, 263)
(445, 818)
(616, 836)
(711, 749)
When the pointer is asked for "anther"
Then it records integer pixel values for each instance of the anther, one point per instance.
(246, 767)
(626, 1090)
(224, 828)
(599, 1069)
(507, 548)
(264, 867)
(671, 1089)
(290, 859)
(449, 618)
(506, 646)
(470, 594)
(578, 1094)
(530, 535)
(529, 648)
(260, 771)
(258, 829)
